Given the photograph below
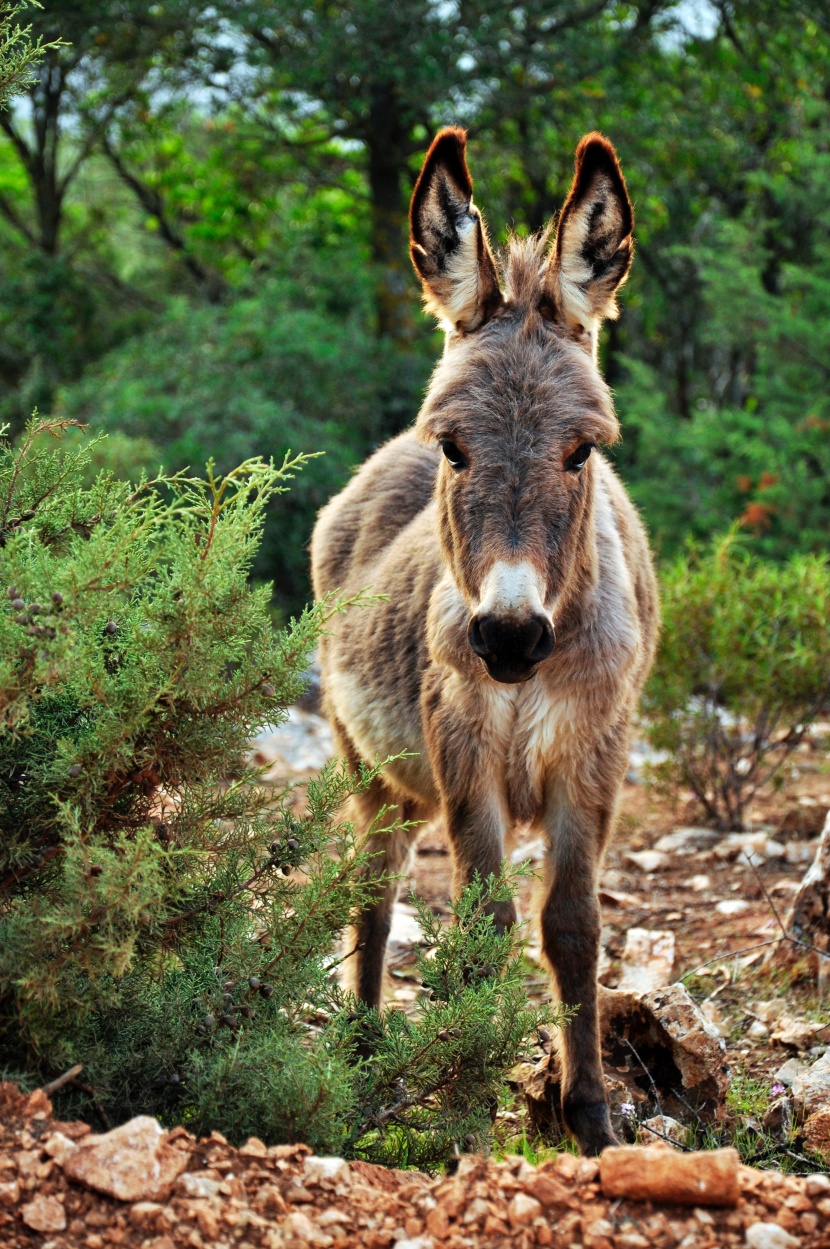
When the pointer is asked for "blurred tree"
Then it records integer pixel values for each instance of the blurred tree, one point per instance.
(384, 76)
(94, 60)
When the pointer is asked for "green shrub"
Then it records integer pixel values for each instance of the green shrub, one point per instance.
(742, 670)
(165, 919)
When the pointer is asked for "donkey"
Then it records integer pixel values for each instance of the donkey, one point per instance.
(521, 610)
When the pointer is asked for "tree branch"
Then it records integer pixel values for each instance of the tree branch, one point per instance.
(152, 203)
(12, 216)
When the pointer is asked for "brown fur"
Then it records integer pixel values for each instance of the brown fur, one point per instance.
(511, 547)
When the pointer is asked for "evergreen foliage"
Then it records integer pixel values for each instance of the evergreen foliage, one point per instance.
(19, 52)
(165, 919)
(742, 671)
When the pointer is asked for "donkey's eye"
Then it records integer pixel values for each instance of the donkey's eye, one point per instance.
(454, 456)
(579, 458)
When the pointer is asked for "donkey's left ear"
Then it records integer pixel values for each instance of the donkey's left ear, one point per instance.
(448, 239)
(594, 243)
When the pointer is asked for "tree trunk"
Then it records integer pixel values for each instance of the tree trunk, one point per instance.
(395, 281)
(808, 921)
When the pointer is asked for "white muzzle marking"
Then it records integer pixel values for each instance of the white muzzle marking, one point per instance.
(512, 590)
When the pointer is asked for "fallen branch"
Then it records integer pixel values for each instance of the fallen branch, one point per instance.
(60, 1081)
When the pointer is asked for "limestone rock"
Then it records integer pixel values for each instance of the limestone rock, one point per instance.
(799, 1033)
(59, 1147)
(732, 906)
(670, 1133)
(134, 1162)
(680, 1048)
(749, 848)
(769, 1236)
(523, 1209)
(44, 1214)
(318, 1168)
(647, 960)
(687, 840)
(817, 1132)
(789, 1071)
(707, 1178)
(811, 1088)
(649, 860)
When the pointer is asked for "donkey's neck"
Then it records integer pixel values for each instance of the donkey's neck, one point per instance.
(577, 595)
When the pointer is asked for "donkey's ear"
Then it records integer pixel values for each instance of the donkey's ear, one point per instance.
(594, 243)
(448, 239)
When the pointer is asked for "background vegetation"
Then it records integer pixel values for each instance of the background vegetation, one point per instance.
(202, 232)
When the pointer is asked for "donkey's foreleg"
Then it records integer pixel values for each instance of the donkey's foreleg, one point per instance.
(570, 925)
(476, 826)
(388, 858)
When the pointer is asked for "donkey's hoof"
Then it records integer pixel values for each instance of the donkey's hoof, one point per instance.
(591, 1127)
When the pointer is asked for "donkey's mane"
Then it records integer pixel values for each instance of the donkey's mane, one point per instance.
(522, 263)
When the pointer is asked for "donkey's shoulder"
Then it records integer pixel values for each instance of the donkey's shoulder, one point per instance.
(385, 495)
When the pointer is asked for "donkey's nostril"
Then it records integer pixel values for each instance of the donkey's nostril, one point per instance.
(475, 637)
(509, 643)
(545, 643)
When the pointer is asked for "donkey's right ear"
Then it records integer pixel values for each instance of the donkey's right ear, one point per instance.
(448, 239)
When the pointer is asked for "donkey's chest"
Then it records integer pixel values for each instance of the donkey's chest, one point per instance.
(532, 735)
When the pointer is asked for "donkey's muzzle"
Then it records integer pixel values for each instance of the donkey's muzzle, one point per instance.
(511, 647)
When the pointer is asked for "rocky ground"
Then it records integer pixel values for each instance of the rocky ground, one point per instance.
(62, 1187)
(682, 905)
(706, 1046)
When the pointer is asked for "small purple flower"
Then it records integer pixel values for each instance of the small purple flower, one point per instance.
(777, 1089)
(628, 1110)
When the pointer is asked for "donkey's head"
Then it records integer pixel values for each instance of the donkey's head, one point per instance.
(517, 403)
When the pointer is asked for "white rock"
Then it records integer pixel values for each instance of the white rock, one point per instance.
(405, 931)
(664, 1127)
(332, 1216)
(753, 848)
(523, 1209)
(811, 1088)
(789, 1071)
(757, 1031)
(698, 883)
(529, 852)
(649, 860)
(197, 1185)
(416, 1242)
(769, 1011)
(647, 960)
(302, 744)
(300, 1226)
(799, 851)
(817, 1185)
(687, 840)
(319, 1167)
(770, 1236)
(732, 906)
